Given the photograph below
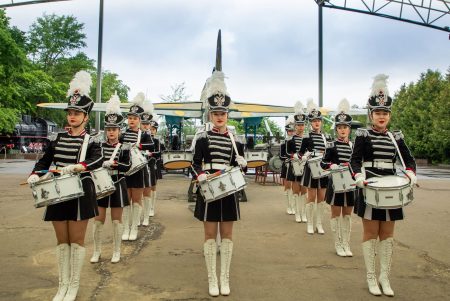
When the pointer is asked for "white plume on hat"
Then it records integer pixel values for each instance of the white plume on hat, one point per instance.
(216, 84)
(311, 105)
(139, 99)
(290, 120)
(113, 105)
(81, 84)
(148, 107)
(380, 84)
(298, 108)
(344, 106)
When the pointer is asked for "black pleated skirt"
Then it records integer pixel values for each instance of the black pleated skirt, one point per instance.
(77, 209)
(152, 168)
(119, 198)
(343, 199)
(222, 210)
(139, 179)
(283, 171)
(309, 182)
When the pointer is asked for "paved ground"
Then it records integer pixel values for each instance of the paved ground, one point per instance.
(274, 259)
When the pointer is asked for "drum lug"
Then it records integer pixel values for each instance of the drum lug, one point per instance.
(231, 180)
(58, 190)
(377, 197)
(410, 195)
(211, 190)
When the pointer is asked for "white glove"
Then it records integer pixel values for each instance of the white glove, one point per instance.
(72, 169)
(359, 180)
(241, 161)
(412, 177)
(334, 166)
(305, 158)
(202, 178)
(32, 179)
(107, 164)
(295, 156)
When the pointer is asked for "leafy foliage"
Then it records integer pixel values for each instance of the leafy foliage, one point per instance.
(53, 37)
(178, 94)
(421, 111)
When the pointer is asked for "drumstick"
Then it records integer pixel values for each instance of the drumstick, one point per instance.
(404, 172)
(213, 175)
(42, 171)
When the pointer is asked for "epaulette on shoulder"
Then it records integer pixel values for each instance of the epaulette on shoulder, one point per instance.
(125, 146)
(97, 139)
(398, 135)
(362, 132)
(52, 136)
(200, 134)
(330, 144)
(305, 135)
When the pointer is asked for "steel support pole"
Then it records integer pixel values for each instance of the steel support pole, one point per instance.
(99, 65)
(320, 58)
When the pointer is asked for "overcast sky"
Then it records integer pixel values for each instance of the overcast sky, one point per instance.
(270, 47)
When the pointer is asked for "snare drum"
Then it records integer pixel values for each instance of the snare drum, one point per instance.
(316, 170)
(138, 161)
(342, 180)
(298, 166)
(256, 158)
(56, 190)
(103, 183)
(177, 159)
(388, 192)
(225, 184)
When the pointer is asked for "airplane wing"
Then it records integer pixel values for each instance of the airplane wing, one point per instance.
(188, 109)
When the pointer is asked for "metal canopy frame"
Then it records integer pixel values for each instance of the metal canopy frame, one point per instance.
(433, 14)
(11, 3)
(429, 13)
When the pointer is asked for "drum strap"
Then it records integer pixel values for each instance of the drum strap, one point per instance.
(234, 143)
(398, 150)
(139, 137)
(84, 147)
(113, 155)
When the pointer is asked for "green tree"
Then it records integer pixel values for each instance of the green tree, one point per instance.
(12, 66)
(177, 94)
(54, 37)
(417, 110)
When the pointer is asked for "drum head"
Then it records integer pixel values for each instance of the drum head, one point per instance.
(275, 164)
(177, 165)
(254, 164)
(388, 182)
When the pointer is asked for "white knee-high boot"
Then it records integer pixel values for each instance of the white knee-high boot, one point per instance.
(346, 230)
(385, 251)
(146, 201)
(126, 222)
(369, 251)
(152, 204)
(319, 216)
(226, 252)
(97, 235)
(77, 254)
(298, 208)
(210, 253)
(303, 208)
(309, 217)
(63, 257)
(289, 197)
(135, 221)
(117, 240)
(336, 229)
